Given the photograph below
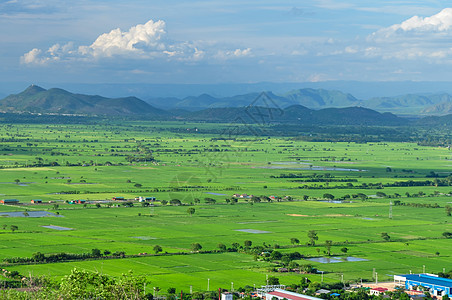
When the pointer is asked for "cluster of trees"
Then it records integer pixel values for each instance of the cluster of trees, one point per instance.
(314, 177)
(420, 205)
(11, 227)
(39, 257)
(81, 284)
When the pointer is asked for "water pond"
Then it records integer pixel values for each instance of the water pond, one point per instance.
(252, 231)
(57, 227)
(31, 214)
(330, 260)
(216, 194)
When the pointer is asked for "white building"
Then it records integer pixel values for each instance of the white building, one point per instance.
(282, 294)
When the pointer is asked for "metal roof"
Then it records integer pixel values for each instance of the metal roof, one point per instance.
(290, 295)
(439, 281)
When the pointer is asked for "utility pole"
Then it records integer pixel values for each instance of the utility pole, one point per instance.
(390, 209)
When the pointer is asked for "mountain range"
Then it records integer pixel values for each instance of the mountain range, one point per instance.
(301, 106)
(409, 104)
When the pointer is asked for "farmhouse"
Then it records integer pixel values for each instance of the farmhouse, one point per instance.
(437, 286)
(226, 296)
(36, 201)
(283, 294)
(9, 201)
(118, 198)
(378, 291)
(77, 201)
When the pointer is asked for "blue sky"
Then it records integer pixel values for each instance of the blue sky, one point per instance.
(224, 42)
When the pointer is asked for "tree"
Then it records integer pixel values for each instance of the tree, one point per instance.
(138, 185)
(157, 249)
(312, 235)
(164, 202)
(385, 236)
(90, 285)
(448, 210)
(13, 228)
(222, 247)
(328, 244)
(255, 199)
(107, 252)
(328, 196)
(247, 243)
(344, 250)
(294, 241)
(17, 181)
(56, 206)
(191, 211)
(38, 257)
(96, 252)
(26, 214)
(235, 245)
(175, 202)
(171, 290)
(275, 255)
(196, 247)
(210, 200)
(447, 234)
(273, 280)
(98, 205)
(293, 265)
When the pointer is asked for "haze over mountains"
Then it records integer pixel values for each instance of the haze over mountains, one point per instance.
(409, 104)
(300, 106)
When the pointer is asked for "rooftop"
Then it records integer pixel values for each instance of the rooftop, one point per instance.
(445, 282)
(290, 295)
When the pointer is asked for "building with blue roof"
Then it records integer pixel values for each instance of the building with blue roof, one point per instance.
(437, 286)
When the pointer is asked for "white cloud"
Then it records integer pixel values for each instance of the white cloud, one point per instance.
(32, 57)
(140, 39)
(230, 54)
(143, 41)
(437, 25)
(415, 38)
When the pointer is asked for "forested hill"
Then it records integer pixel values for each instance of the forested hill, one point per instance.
(38, 100)
(297, 114)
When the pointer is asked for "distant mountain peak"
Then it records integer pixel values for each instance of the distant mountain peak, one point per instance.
(33, 89)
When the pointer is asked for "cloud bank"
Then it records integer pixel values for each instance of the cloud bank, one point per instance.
(143, 41)
(414, 38)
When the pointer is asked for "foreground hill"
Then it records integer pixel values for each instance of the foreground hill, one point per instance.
(38, 100)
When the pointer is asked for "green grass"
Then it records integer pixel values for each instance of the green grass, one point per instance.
(192, 165)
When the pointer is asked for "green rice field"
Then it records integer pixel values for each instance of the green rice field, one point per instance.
(401, 189)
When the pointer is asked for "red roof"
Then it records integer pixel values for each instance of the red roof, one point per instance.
(288, 296)
(380, 289)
